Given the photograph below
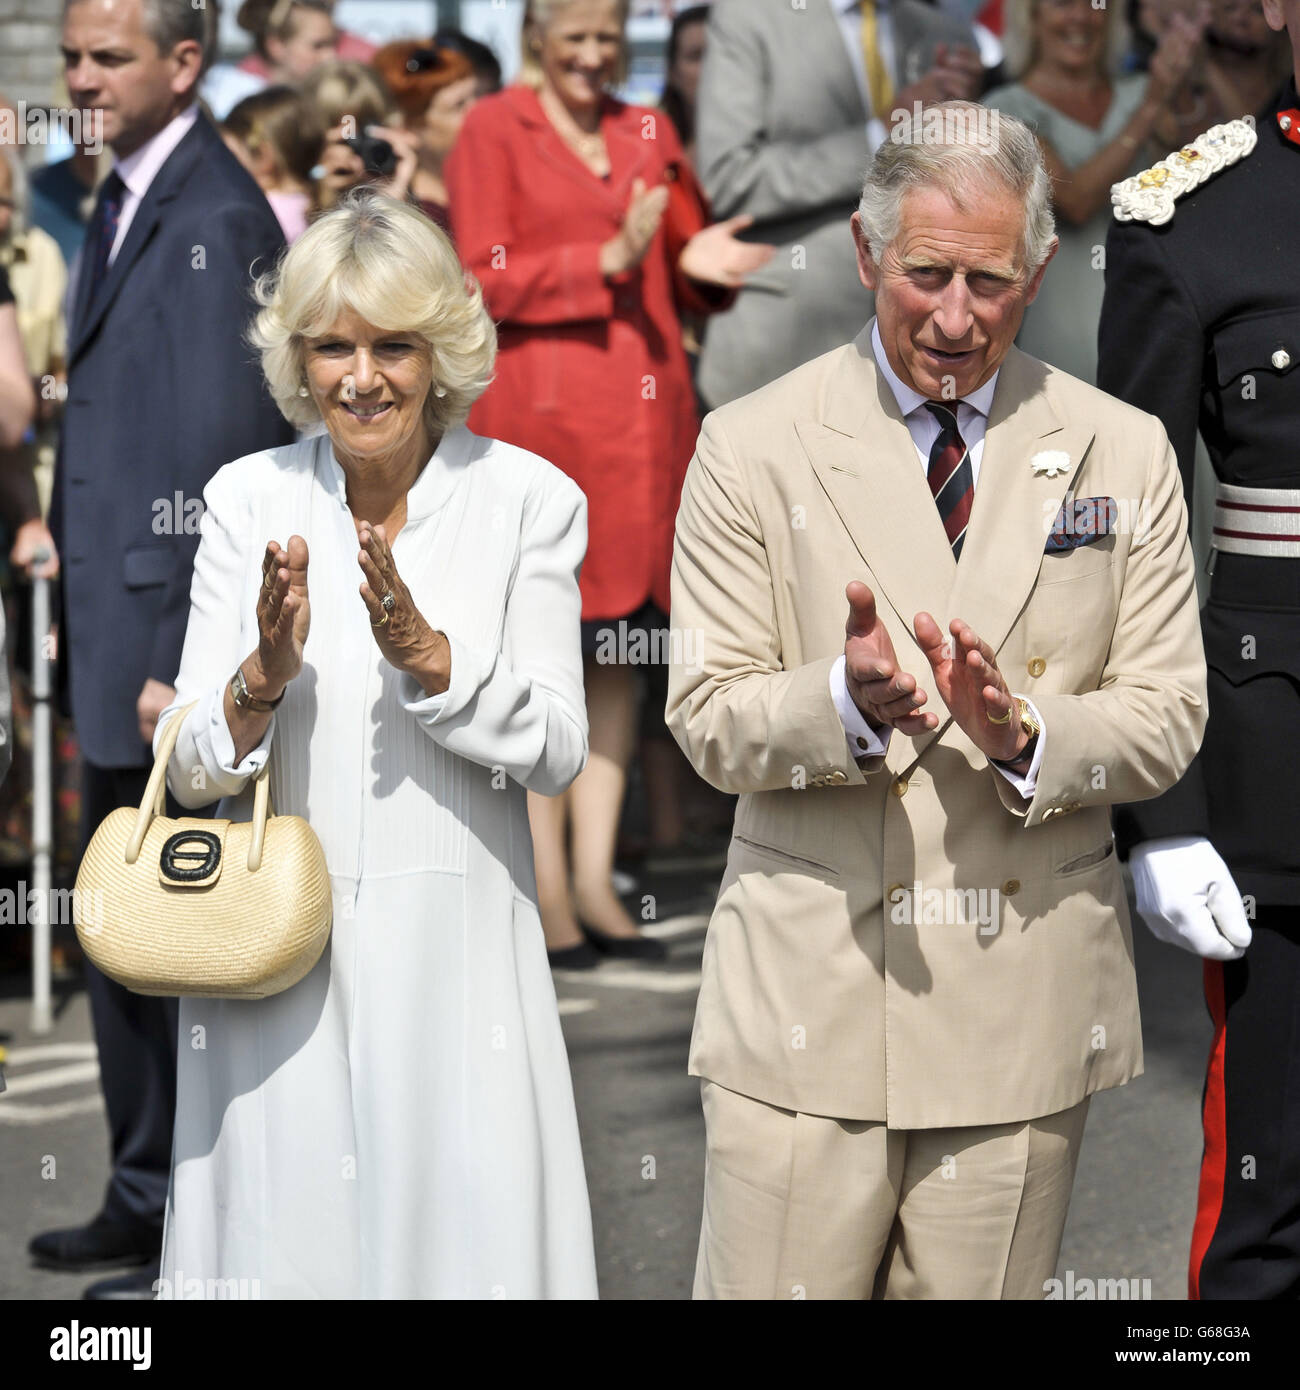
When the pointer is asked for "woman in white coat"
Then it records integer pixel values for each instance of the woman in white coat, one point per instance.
(389, 612)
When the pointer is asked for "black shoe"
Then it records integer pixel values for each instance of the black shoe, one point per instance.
(579, 957)
(103, 1244)
(136, 1286)
(625, 947)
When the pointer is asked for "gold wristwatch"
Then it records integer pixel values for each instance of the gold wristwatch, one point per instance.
(1030, 726)
(245, 699)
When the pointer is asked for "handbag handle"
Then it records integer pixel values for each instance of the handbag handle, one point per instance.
(154, 802)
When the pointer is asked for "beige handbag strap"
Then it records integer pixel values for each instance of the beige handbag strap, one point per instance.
(154, 801)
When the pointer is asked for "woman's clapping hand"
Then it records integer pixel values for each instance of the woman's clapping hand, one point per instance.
(401, 632)
(283, 618)
(716, 256)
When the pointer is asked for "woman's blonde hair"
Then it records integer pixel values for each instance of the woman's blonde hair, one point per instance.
(1020, 53)
(537, 15)
(385, 261)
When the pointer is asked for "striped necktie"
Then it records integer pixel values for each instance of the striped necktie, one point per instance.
(878, 80)
(952, 482)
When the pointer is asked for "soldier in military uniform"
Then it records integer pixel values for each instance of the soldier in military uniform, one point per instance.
(1201, 327)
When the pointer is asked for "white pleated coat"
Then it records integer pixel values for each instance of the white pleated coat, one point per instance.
(400, 1124)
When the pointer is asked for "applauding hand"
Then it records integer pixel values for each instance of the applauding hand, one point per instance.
(884, 694)
(967, 676)
(401, 633)
(716, 256)
(283, 619)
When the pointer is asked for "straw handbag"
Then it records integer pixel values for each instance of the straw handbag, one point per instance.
(215, 908)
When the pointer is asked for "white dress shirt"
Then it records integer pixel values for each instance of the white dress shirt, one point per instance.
(972, 421)
(848, 15)
(139, 169)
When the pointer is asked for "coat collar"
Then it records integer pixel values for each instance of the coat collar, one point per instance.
(620, 124)
(864, 458)
(431, 489)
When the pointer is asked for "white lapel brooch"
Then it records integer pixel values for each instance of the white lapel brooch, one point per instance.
(1051, 462)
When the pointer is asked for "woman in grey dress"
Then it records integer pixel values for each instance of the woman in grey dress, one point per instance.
(1095, 128)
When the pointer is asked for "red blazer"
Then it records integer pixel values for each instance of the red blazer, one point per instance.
(591, 373)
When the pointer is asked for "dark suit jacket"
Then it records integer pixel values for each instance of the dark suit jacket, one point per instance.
(162, 390)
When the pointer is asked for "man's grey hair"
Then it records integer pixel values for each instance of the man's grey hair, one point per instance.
(169, 22)
(962, 149)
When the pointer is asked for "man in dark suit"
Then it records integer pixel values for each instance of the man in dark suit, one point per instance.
(1201, 327)
(162, 390)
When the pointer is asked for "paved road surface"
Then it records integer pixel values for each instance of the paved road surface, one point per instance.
(628, 1028)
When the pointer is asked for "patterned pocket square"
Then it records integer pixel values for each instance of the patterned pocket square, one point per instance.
(1081, 522)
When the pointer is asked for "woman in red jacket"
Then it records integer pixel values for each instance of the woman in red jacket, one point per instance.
(583, 223)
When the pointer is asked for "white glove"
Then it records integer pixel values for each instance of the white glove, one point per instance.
(1187, 896)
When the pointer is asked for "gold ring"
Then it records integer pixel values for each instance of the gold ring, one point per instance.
(383, 622)
(1006, 718)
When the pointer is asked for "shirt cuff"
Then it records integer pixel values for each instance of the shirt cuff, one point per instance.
(221, 742)
(864, 741)
(1026, 783)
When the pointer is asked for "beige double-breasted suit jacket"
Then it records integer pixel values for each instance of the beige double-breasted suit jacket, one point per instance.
(847, 969)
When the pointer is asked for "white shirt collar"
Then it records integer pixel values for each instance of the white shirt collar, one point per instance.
(139, 168)
(910, 400)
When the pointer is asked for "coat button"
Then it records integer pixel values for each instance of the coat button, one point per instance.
(900, 787)
(1010, 888)
(1036, 666)
(897, 892)
(837, 778)
(1281, 359)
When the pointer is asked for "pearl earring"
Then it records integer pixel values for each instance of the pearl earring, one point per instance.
(440, 391)
(303, 391)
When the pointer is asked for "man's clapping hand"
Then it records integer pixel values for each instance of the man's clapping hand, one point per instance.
(885, 695)
(967, 676)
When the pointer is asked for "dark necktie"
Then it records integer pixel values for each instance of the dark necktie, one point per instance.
(102, 232)
(951, 480)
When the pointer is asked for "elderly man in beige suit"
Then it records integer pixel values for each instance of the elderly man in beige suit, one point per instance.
(920, 965)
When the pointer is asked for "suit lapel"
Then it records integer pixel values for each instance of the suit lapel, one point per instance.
(627, 152)
(865, 460)
(1014, 506)
(166, 185)
(827, 58)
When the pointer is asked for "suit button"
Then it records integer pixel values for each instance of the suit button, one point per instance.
(837, 778)
(1281, 359)
(1036, 666)
(897, 892)
(1073, 806)
(899, 788)
(1010, 888)
(1051, 811)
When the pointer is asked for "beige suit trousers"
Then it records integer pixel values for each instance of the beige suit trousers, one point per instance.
(806, 1206)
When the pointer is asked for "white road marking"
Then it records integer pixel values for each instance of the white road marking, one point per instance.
(44, 1114)
(688, 924)
(652, 981)
(51, 1079)
(51, 1052)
